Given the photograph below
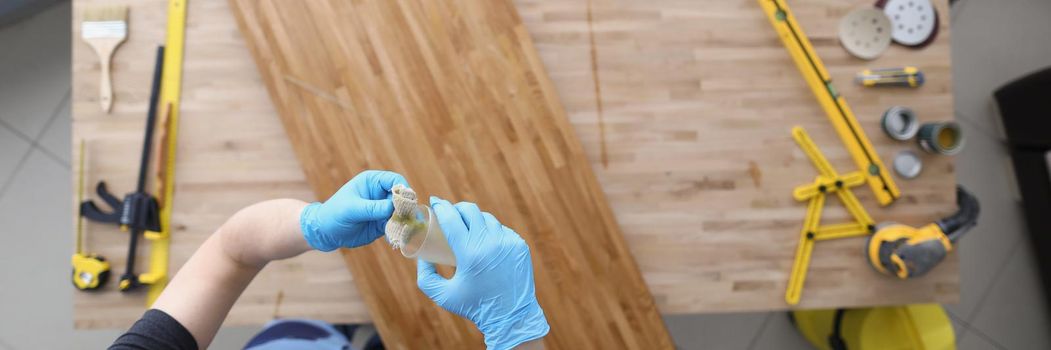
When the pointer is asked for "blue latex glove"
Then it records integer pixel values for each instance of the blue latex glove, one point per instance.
(354, 216)
(493, 285)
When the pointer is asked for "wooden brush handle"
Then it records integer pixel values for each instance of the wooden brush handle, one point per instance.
(106, 83)
(105, 47)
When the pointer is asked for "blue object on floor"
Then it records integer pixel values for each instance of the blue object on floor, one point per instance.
(293, 334)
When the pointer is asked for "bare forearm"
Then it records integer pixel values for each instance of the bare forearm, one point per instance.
(206, 287)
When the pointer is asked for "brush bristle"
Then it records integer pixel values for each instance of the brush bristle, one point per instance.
(106, 13)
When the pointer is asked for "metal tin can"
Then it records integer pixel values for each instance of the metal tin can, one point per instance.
(944, 138)
(899, 123)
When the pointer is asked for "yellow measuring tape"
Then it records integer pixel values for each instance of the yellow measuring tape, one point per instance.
(842, 118)
(171, 87)
(827, 182)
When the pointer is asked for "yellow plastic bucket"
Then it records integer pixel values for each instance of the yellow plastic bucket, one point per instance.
(915, 327)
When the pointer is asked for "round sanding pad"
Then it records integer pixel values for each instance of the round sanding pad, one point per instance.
(865, 33)
(915, 21)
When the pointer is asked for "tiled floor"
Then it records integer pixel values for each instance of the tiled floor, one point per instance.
(1002, 302)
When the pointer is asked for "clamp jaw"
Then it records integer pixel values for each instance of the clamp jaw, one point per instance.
(138, 210)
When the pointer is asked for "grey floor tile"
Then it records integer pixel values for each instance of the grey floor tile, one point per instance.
(779, 334)
(39, 73)
(994, 42)
(48, 28)
(12, 149)
(955, 9)
(51, 35)
(36, 215)
(1015, 312)
(983, 168)
(35, 212)
(714, 331)
(975, 341)
(959, 325)
(56, 140)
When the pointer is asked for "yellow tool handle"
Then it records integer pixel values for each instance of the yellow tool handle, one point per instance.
(909, 81)
(836, 108)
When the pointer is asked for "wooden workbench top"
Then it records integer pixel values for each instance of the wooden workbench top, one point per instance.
(697, 99)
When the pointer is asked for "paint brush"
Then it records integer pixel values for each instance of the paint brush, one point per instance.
(104, 28)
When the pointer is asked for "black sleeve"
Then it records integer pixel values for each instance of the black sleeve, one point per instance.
(156, 330)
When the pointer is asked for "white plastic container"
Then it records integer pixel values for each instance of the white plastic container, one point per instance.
(430, 245)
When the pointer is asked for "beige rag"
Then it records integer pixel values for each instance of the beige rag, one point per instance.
(403, 223)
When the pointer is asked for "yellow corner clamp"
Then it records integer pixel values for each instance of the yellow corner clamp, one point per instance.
(827, 182)
(835, 107)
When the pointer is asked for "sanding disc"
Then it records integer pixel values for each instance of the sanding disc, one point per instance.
(915, 21)
(865, 33)
(908, 164)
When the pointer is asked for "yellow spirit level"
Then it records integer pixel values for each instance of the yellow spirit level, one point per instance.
(813, 71)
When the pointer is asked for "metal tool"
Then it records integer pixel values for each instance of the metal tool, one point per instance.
(171, 91)
(90, 271)
(138, 211)
(907, 76)
(827, 182)
(836, 108)
(907, 252)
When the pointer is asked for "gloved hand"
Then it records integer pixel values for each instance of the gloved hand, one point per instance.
(493, 285)
(354, 216)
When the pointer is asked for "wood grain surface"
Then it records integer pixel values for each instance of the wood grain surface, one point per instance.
(698, 100)
(452, 95)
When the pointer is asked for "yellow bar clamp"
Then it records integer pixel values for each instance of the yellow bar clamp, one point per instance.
(171, 87)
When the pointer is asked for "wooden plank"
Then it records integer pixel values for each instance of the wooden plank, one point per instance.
(698, 96)
(452, 95)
